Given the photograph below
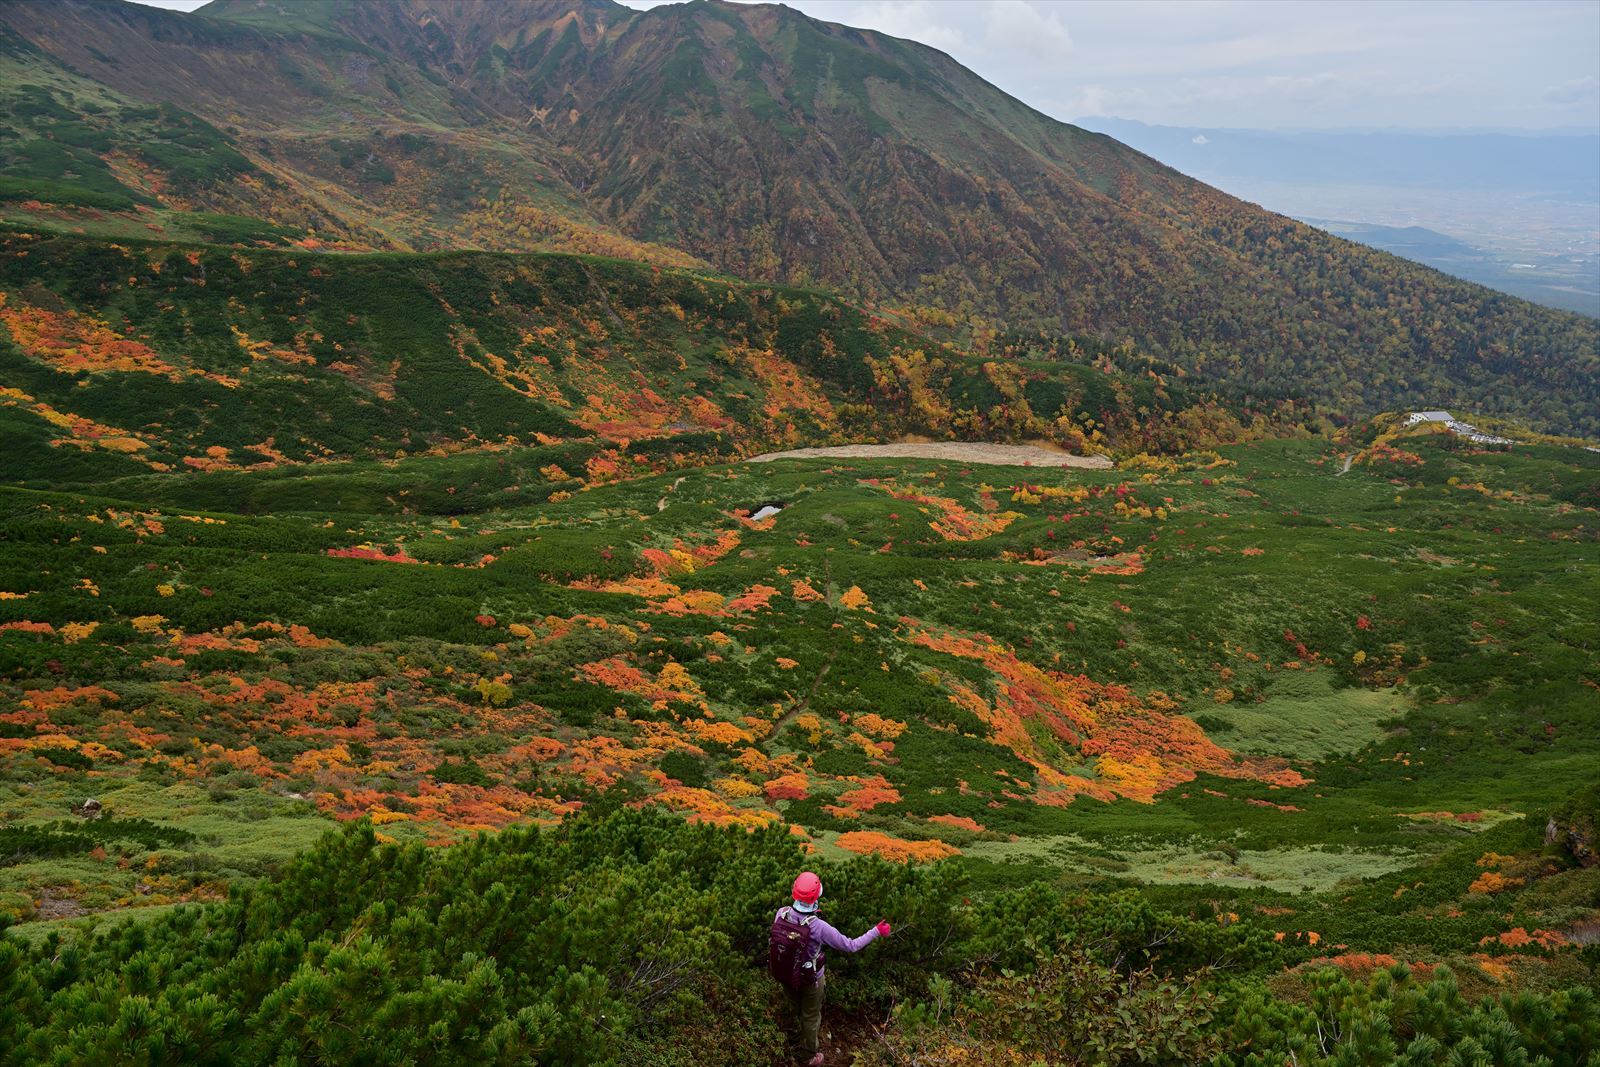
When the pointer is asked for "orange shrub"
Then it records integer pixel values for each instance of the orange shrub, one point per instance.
(870, 842)
(1518, 937)
(869, 793)
(792, 786)
(855, 599)
(753, 598)
(720, 733)
(877, 726)
(1493, 882)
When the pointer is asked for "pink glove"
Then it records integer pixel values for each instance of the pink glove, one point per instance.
(883, 928)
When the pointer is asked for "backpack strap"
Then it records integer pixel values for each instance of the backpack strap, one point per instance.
(816, 954)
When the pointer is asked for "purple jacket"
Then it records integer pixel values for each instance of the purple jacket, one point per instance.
(825, 936)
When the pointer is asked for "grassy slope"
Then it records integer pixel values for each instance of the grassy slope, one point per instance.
(458, 554)
(1472, 597)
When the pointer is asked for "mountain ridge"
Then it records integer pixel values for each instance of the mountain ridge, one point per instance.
(781, 148)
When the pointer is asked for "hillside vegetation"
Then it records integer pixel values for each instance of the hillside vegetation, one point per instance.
(152, 357)
(1319, 721)
(394, 667)
(748, 138)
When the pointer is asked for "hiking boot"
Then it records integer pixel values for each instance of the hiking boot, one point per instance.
(815, 1061)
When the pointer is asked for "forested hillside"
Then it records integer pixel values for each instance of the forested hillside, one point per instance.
(142, 357)
(744, 137)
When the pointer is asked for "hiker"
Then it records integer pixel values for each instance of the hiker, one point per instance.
(796, 956)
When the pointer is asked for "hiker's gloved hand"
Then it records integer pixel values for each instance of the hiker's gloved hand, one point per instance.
(883, 928)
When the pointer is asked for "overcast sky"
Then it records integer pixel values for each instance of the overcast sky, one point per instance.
(1252, 63)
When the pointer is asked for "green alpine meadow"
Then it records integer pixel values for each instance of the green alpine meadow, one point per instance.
(556, 533)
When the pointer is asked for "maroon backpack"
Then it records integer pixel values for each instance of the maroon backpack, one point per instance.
(789, 956)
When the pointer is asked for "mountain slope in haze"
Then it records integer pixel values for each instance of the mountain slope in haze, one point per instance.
(1525, 204)
(778, 147)
(1558, 280)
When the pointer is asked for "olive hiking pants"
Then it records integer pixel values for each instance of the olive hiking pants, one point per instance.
(807, 1005)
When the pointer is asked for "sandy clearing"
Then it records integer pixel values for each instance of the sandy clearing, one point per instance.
(952, 451)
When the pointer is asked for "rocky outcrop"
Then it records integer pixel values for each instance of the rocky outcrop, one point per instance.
(1572, 827)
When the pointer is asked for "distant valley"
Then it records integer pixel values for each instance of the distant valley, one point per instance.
(1555, 278)
(1518, 212)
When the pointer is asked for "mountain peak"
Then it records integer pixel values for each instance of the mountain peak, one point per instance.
(773, 146)
(453, 30)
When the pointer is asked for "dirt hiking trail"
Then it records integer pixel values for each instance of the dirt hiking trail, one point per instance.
(951, 451)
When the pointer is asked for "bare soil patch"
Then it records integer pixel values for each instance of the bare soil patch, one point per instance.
(57, 903)
(952, 451)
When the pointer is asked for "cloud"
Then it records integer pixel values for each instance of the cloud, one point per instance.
(1200, 138)
(913, 20)
(1095, 101)
(1020, 26)
(1010, 31)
